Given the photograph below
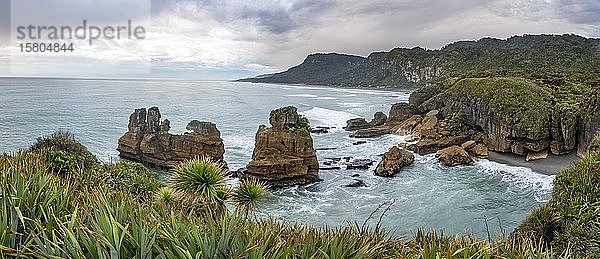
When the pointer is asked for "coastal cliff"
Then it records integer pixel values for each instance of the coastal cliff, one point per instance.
(415, 67)
(517, 115)
(148, 140)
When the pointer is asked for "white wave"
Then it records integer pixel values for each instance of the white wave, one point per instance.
(326, 98)
(302, 95)
(236, 141)
(521, 177)
(327, 117)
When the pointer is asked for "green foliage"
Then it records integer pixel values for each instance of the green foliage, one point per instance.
(200, 180)
(134, 177)
(248, 195)
(519, 102)
(595, 146)
(50, 216)
(165, 195)
(64, 151)
(570, 221)
(528, 54)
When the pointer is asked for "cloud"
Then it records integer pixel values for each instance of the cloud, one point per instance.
(255, 37)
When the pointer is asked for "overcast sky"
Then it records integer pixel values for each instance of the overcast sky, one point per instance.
(224, 39)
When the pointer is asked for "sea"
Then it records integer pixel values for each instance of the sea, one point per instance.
(487, 198)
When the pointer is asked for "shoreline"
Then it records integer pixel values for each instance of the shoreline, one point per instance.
(548, 166)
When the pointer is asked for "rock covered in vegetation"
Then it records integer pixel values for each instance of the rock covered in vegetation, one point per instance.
(453, 156)
(283, 153)
(393, 160)
(148, 140)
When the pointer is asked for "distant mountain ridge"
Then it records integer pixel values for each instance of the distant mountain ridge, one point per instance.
(404, 67)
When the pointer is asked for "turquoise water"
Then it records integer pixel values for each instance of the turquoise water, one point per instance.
(426, 193)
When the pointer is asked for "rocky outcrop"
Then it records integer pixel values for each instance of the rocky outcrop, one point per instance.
(356, 124)
(400, 112)
(453, 156)
(148, 140)
(588, 131)
(392, 161)
(283, 153)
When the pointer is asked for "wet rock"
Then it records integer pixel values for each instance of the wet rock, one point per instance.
(393, 161)
(408, 126)
(149, 141)
(360, 164)
(371, 132)
(431, 145)
(536, 155)
(479, 150)
(325, 148)
(356, 124)
(355, 175)
(379, 119)
(356, 183)
(400, 112)
(283, 153)
(453, 156)
(319, 130)
(360, 142)
(469, 144)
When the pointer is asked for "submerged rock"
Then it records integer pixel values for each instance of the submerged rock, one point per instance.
(356, 183)
(453, 156)
(394, 160)
(360, 164)
(148, 140)
(283, 153)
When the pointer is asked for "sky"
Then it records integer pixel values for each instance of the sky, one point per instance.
(228, 39)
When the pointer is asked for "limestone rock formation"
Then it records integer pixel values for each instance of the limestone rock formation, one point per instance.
(283, 153)
(148, 140)
(393, 160)
(356, 124)
(479, 150)
(453, 156)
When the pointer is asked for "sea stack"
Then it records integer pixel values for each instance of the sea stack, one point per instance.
(283, 153)
(148, 140)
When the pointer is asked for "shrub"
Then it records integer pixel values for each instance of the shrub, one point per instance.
(62, 148)
(132, 177)
(570, 221)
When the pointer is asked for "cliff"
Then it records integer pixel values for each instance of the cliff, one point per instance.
(410, 67)
(148, 140)
(517, 115)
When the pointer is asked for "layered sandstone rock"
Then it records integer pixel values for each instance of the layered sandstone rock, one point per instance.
(283, 153)
(453, 156)
(148, 140)
(394, 160)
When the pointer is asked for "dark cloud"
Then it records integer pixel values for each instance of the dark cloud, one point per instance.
(580, 12)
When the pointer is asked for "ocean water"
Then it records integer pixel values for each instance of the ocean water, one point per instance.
(426, 194)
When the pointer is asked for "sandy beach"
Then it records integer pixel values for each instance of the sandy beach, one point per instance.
(549, 166)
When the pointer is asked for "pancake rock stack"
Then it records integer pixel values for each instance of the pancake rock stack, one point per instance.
(283, 153)
(148, 140)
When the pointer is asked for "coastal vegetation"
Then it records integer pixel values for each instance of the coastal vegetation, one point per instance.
(122, 210)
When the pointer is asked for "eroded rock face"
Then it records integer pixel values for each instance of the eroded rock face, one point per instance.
(392, 161)
(283, 153)
(453, 156)
(356, 124)
(400, 112)
(148, 140)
